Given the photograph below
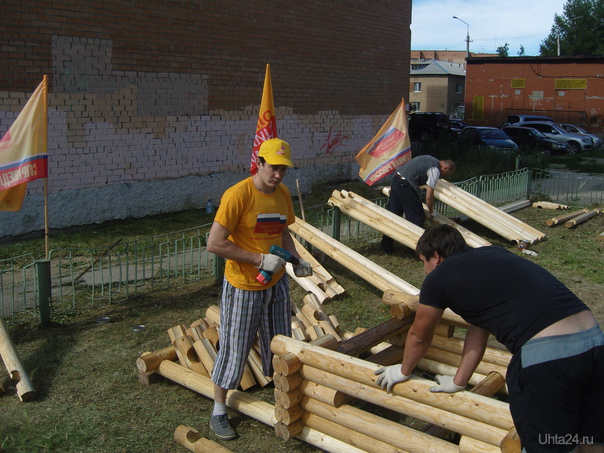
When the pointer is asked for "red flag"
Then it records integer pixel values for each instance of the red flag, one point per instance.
(267, 122)
(389, 149)
(23, 151)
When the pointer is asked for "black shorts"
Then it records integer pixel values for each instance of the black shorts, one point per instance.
(556, 391)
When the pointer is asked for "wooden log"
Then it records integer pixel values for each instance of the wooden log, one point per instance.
(255, 363)
(420, 408)
(206, 352)
(288, 415)
(511, 443)
(149, 361)
(286, 364)
(320, 275)
(211, 333)
(248, 405)
(563, 218)
(16, 371)
(382, 332)
(470, 445)
(184, 344)
(213, 314)
(287, 383)
(288, 431)
(498, 356)
(288, 399)
(307, 284)
(601, 236)
(378, 428)
(582, 218)
(549, 205)
(192, 441)
(434, 367)
(487, 387)
(391, 297)
(350, 436)
(451, 358)
(354, 261)
(488, 410)
(324, 394)
(388, 356)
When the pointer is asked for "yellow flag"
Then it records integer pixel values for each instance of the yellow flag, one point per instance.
(23, 151)
(389, 149)
(267, 121)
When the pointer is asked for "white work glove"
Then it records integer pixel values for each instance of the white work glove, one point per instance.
(303, 269)
(389, 375)
(446, 385)
(271, 263)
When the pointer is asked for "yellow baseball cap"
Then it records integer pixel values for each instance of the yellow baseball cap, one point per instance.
(275, 152)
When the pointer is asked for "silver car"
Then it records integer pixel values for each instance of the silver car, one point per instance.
(579, 130)
(575, 142)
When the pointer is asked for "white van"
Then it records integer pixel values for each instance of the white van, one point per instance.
(513, 120)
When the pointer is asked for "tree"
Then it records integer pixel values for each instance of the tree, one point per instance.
(578, 31)
(521, 52)
(504, 50)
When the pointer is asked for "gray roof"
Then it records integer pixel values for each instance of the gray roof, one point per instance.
(436, 67)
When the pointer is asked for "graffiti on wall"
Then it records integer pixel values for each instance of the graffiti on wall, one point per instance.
(335, 142)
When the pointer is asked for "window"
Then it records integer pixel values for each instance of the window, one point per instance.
(414, 107)
(417, 87)
(458, 88)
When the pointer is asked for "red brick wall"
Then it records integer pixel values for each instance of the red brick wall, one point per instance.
(324, 55)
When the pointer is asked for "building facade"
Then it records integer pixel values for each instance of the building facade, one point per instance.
(153, 106)
(567, 89)
(436, 86)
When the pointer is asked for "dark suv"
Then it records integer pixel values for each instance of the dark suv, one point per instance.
(427, 126)
(529, 138)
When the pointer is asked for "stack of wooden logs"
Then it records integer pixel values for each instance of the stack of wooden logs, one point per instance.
(484, 213)
(317, 384)
(574, 218)
(384, 221)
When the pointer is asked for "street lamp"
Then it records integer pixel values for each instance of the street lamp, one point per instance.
(467, 36)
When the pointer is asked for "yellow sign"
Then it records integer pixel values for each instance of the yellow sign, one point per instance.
(518, 83)
(571, 84)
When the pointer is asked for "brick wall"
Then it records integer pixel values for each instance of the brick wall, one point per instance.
(151, 91)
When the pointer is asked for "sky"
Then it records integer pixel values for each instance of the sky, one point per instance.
(492, 23)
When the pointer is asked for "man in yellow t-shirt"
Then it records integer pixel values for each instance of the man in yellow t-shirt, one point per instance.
(253, 215)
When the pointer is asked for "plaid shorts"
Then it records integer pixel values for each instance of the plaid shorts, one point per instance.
(243, 314)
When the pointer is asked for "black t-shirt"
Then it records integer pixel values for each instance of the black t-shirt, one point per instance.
(504, 293)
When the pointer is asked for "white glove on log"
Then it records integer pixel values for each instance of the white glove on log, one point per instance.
(303, 269)
(271, 263)
(446, 385)
(389, 375)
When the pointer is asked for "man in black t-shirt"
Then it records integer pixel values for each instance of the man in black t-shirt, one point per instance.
(556, 376)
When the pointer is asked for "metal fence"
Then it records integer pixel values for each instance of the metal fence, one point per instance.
(86, 278)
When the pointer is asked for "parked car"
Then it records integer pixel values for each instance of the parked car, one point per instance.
(490, 137)
(579, 130)
(427, 126)
(456, 126)
(529, 138)
(575, 142)
(515, 119)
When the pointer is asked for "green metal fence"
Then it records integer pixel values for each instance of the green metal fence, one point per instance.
(86, 278)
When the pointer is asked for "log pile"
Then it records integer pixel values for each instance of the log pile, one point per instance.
(384, 221)
(486, 214)
(574, 218)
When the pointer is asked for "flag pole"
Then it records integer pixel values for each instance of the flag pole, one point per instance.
(45, 100)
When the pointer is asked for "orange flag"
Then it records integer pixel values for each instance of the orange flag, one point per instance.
(267, 122)
(23, 151)
(389, 149)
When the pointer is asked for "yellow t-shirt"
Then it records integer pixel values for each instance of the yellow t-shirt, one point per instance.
(256, 221)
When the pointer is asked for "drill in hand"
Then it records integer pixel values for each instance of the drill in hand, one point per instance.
(263, 276)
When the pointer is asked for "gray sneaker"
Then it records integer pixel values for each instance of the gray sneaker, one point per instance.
(222, 428)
